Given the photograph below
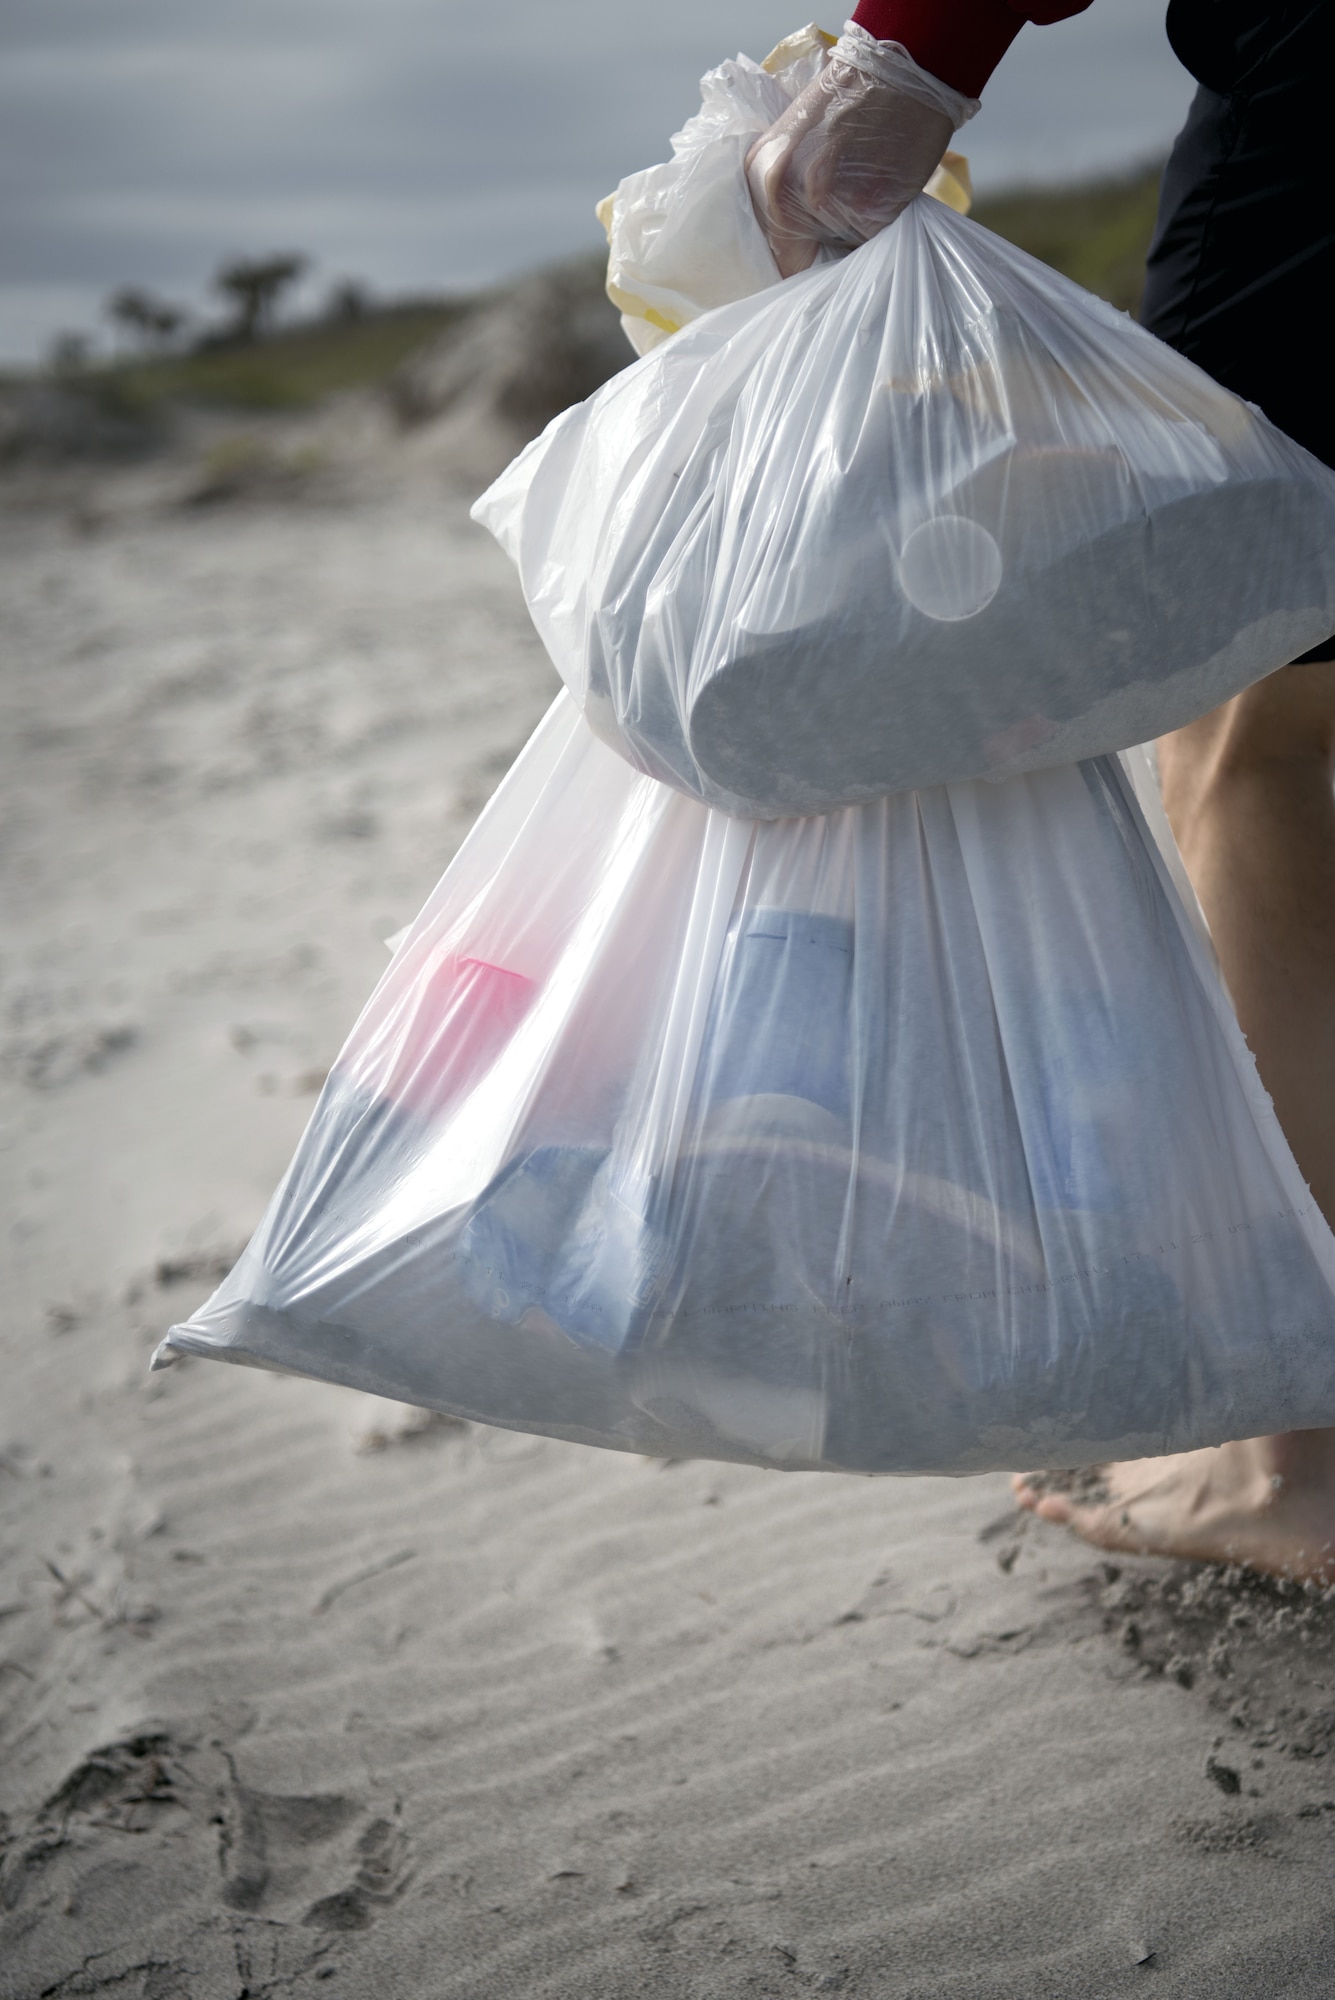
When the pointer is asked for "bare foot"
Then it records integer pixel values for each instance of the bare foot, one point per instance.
(1267, 1503)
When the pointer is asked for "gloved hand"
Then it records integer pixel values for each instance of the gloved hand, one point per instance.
(851, 150)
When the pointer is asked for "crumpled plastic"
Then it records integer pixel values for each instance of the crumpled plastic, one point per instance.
(684, 236)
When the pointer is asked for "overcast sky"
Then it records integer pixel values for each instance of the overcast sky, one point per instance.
(427, 144)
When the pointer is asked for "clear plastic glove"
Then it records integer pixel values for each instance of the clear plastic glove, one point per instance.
(852, 150)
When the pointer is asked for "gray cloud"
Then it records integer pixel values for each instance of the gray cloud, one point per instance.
(426, 143)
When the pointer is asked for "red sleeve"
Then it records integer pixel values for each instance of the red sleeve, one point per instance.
(961, 41)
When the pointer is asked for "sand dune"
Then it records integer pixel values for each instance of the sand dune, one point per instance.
(301, 1692)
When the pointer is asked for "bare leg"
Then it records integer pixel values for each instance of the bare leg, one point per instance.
(1248, 792)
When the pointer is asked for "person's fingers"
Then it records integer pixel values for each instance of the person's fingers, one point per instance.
(840, 165)
(851, 151)
(768, 176)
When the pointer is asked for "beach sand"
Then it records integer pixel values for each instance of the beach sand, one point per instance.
(301, 1692)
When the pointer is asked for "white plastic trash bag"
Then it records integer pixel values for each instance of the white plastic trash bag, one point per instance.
(915, 1138)
(925, 513)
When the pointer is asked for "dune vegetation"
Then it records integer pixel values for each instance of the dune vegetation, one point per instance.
(1096, 233)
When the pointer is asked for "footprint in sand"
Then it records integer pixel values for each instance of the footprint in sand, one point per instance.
(267, 1838)
(272, 1843)
(382, 1873)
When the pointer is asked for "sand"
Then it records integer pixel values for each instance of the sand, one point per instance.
(305, 1693)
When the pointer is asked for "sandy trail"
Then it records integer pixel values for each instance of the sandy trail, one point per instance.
(301, 1694)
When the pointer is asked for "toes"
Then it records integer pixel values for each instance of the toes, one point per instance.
(1103, 1527)
(1113, 1527)
(1108, 1527)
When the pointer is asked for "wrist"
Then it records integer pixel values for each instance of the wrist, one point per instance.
(891, 64)
(959, 41)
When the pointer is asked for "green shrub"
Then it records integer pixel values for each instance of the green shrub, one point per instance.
(290, 370)
(1096, 233)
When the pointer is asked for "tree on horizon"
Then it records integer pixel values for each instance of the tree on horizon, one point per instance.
(254, 286)
(151, 321)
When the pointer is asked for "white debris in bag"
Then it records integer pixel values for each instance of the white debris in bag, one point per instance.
(918, 1137)
(926, 512)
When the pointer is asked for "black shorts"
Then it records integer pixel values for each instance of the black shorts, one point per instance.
(1241, 271)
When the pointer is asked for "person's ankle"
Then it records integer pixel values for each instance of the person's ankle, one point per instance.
(1295, 1458)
